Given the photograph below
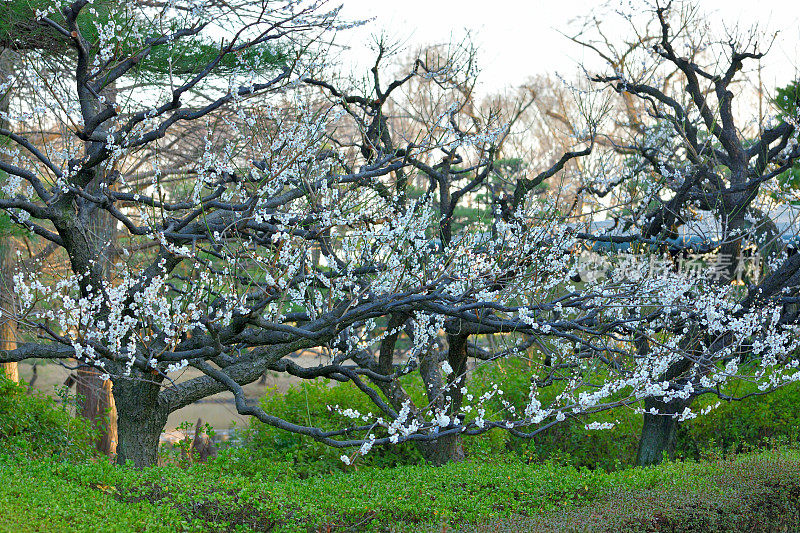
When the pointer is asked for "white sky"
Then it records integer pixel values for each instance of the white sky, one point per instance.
(520, 38)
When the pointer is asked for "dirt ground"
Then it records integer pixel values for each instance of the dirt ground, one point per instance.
(217, 410)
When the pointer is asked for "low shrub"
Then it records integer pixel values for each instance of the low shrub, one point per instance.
(35, 425)
(313, 404)
(733, 427)
(757, 493)
(566, 443)
(39, 495)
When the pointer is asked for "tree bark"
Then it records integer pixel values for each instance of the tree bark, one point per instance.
(98, 401)
(8, 327)
(448, 448)
(141, 419)
(97, 405)
(659, 431)
(444, 450)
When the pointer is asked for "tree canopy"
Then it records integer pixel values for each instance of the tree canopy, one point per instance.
(318, 213)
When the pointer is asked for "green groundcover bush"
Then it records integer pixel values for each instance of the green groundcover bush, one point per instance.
(50, 480)
(750, 492)
(34, 425)
(747, 425)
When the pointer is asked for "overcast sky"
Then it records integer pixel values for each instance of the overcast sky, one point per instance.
(521, 38)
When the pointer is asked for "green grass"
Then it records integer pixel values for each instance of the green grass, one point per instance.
(241, 493)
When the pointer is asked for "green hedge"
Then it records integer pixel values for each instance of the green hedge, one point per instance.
(745, 425)
(742, 426)
(308, 403)
(569, 443)
(756, 493)
(35, 425)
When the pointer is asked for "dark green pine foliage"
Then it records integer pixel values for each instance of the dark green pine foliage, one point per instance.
(19, 30)
(787, 100)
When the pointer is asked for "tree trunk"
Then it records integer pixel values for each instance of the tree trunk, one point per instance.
(10, 370)
(140, 420)
(8, 335)
(8, 326)
(107, 444)
(97, 405)
(449, 448)
(98, 401)
(443, 450)
(659, 432)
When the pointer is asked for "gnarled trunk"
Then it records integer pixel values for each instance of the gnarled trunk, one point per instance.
(659, 431)
(140, 418)
(443, 450)
(448, 448)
